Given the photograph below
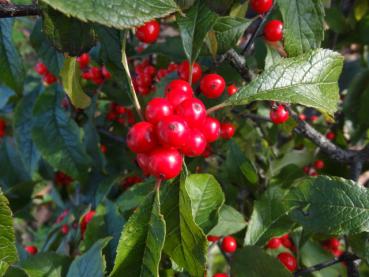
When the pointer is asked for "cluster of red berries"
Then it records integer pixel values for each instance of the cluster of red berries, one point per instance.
(312, 170)
(62, 179)
(120, 114)
(95, 74)
(175, 125)
(2, 128)
(47, 77)
(279, 114)
(286, 258)
(333, 245)
(228, 243)
(85, 220)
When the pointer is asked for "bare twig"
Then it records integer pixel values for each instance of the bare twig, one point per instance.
(238, 62)
(11, 10)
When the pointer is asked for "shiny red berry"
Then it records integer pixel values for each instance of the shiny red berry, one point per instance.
(280, 115)
(229, 244)
(195, 144)
(227, 130)
(103, 148)
(273, 30)
(319, 164)
(274, 243)
(184, 71)
(212, 85)
(143, 162)
(177, 96)
(332, 243)
(157, 109)
(193, 111)
(165, 163)
(302, 117)
(286, 241)
(288, 260)
(105, 72)
(141, 137)
(261, 6)
(149, 32)
(330, 136)
(41, 68)
(49, 78)
(212, 238)
(83, 60)
(172, 131)
(179, 85)
(211, 129)
(31, 249)
(232, 89)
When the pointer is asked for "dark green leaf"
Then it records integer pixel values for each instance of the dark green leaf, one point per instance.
(185, 4)
(360, 245)
(230, 221)
(5, 94)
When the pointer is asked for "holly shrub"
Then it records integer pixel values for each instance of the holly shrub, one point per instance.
(184, 138)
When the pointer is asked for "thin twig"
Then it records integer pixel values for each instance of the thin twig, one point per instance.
(11, 10)
(111, 136)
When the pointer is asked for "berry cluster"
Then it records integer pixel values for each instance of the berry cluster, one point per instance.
(286, 258)
(2, 127)
(333, 245)
(62, 179)
(95, 74)
(120, 114)
(47, 77)
(312, 170)
(176, 125)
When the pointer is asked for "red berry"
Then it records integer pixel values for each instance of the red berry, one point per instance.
(62, 179)
(179, 85)
(227, 130)
(172, 67)
(212, 85)
(105, 73)
(312, 172)
(96, 73)
(64, 229)
(261, 6)
(31, 249)
(273, 30)
(41, 68)
(319, 164)
(86, 75)
(232, 89)
(332, 243)
(274, 243)
(280, 115)
(85, 220)
(220, 275)
(2, 123)
(286, 241)
(83, 60)
(229, 244)
(212, 238)
(119, 109)
(49, 78)
(184, 71)
(172, 131)
(314, 118)
(336, 252)
(165, 163)
(302, 117)
(211, 129)
(306, 169)
(157, 109)
(143, 162)
(330, 135)
(195, 144)
(177, 96)
(141, 137)
(288, 261)
(111, 116)
(148, 32)
(103, 148)
(193, 111)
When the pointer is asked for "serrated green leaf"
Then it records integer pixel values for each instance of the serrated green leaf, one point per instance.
(71, 79)
(303, 25)
(230, 222)
(329, 205)
(115, 13)
(252, 261)
(310, 80)
(11, 67)
(206, 199)
(185, 242)
(91, 263)
(194, 26)
(57, 137)
(142, 240)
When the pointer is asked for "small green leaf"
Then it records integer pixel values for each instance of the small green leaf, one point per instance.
(310, 80)
(142, 240)
(303, 25)
(134, 196)
(71, 79)
(46, 264)
(230, 222)
(115, 13)
(193, 27)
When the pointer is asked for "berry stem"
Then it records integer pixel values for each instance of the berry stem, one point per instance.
(134, 97)
(158, 184)
(215, 108)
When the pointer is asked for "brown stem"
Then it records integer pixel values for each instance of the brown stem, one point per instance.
(11, 10)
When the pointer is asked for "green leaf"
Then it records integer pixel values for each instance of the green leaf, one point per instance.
(230, 222)
(235, 158)
(8, 251)
(360, 245)
(23, 120)
(206, 199)
(303, 25)
(142, 240)
(91, 263)
(193, 27)
(11, 67)
(309, 80)
(185, 242)
(57, 137)
(273, 57)
(67, 34)
(252, 261)
(115, 13)
(5, 94)
(329, 205)
(361, 7)
(71, 79)
(185, 4)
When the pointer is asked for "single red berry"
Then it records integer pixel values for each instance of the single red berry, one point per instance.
(220, 275)
(141, 137)
(261, 6)
(31, 249)
(274, 243)
(165, 163)
(143, 162)
(314, 118)
(149, 70)
(211, 129)
(212, 85)
(193, 111)
(184, 71)
(111, 116)
(119, 109)
(319, 164)
(103, 148)
(232, 89)
(86, 75)
(172, 67)
(41, 68)
(105, 72)
(330, 135)
(149, 32)
(273, 30)
(49, 78)
(280, 115)
(172, 131)
(195, 144)
(288, 260)
(306, 169)
(62, 179)
(286, 241)
(179, 85)
(83, 60)
(229, 244)
(336, 252)
(302, 117)
(332, 243)
(227, 130)
(177, 96)
(64, 229)
(157, 109)
(312, 172)
(212, 238)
